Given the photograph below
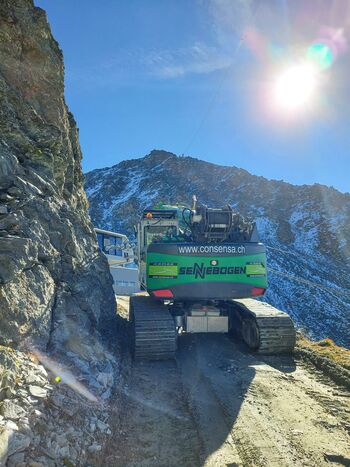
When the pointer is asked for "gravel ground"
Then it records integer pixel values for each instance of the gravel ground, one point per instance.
(219, 405)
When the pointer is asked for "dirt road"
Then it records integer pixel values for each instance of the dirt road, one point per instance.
(218, 405)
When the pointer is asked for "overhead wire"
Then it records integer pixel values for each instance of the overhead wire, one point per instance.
(305, 281)
(217, 91)
(212, 101)
(310, 283)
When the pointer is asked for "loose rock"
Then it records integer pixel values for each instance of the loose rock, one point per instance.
(37, 391)
(11, 410)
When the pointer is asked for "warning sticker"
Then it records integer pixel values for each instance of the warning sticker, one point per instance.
(163, 270)
(255, 269)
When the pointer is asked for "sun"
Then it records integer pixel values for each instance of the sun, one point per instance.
(295, 88)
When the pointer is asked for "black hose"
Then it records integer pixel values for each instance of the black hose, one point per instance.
(186, 223)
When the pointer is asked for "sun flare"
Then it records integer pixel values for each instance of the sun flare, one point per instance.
(295, 88)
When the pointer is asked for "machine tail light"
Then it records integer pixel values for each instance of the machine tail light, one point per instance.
(165, 293)
(256, 291)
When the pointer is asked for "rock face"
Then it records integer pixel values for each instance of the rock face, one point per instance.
(306, 228)
(53, 280)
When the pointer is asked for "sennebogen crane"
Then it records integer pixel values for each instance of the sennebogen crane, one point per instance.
(203, 269)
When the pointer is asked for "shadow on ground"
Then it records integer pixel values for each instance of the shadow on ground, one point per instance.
(182, 413)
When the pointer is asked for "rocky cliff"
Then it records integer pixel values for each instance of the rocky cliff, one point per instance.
(306, 228)
(55, 286)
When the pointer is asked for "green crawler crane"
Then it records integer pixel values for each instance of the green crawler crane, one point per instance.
(203, 269)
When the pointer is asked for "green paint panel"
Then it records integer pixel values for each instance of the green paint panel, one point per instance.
(246, 269)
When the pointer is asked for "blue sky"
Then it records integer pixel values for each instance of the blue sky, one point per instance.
(192, 76)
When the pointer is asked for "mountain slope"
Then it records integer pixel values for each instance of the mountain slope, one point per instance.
(305, 227)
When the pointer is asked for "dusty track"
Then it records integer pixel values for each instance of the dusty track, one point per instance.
(219, 405)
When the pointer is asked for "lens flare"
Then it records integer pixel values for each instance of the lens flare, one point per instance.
(294, 89)
(321, 55)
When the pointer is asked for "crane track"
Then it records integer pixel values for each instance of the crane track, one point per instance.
(265, 329)
(154, 333)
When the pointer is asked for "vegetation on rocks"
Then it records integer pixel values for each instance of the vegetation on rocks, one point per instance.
(327, 348)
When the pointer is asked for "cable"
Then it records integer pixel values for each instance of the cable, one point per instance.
(279, 249)
(288, 252)
(310, 283)
(217, 91)
(305, 281)
(185, 221)
(211, 102)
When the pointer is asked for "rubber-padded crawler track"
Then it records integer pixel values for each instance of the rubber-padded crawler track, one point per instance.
(153, 329)
(264, 328)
